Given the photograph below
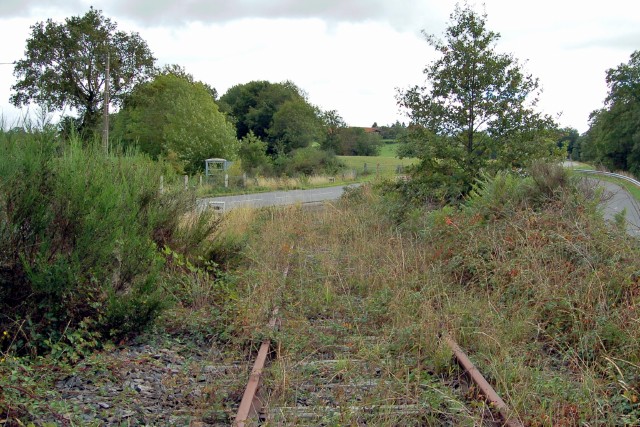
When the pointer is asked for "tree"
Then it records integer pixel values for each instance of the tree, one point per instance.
(253, 154)
(295, 125)
(174, 114)
(252, 105)
(333, 124)
(354, 141)
(65, 65)
(476, 113)
(568, 139)
(393, 132)
(613, 137)
(256, 107)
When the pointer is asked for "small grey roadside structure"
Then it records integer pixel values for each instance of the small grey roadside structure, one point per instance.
(212, 166)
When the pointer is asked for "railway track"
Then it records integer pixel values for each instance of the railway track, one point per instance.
(343, 372)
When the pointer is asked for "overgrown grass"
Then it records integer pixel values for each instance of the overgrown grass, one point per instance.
(533, 284)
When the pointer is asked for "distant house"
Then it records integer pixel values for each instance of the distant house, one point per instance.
(372, 130)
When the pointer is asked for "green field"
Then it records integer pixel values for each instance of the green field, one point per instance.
(385, 165)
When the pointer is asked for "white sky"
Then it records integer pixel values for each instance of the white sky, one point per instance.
(351, 55)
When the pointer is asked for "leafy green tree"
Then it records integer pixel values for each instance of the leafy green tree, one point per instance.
(173, 115)
(568, 139)
(295, 125)
(255, 107)
(65, 65)
(333, 124)
(253, 154)
(476, 113)
(353, 141)
(252, 105)
(613, 137)
(393, 132)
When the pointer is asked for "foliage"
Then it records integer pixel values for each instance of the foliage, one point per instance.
(79, 236)
(253, 154)
(256, 107)
(352, 141)
(393, 132)
(65, 65)
(476, 113)
(333, 124)
(569, 139)
(613, 137)
(295, 125)
(307, 161)
(174, 114)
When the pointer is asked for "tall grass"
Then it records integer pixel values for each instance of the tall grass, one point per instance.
(527, 276)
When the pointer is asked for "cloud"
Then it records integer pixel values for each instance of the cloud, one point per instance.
(412, 15)
(25, 8)
(629, 41)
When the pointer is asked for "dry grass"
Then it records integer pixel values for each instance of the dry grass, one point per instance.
(544, 298)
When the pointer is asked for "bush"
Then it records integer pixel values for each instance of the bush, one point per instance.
(307, 161)
(357, 142)
(253, 154)
(79, 238)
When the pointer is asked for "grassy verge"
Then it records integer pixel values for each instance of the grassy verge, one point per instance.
(357, 169)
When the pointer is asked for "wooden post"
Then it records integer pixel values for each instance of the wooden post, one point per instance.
(226, 180)
(200, 180)
(244, 179)
(186, 182)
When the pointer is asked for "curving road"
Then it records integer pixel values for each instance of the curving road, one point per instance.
(275, 198)
(617, 199)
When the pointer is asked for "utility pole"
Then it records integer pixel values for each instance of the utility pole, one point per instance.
(105, 125)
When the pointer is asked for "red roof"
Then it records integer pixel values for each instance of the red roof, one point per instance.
(371, 130)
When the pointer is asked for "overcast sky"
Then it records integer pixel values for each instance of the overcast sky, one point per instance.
(351, 55)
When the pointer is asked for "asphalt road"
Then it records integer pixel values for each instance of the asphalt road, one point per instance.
(275, 198)
(618, 199)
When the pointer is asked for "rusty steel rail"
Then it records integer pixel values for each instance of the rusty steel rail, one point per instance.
(486, 389)
(251, 405)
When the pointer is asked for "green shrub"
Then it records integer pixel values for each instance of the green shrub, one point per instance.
(79, 238)
(307, 161)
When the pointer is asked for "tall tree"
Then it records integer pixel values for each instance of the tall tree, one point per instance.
(296, 124)
(613, 137)
(172, 114)
(277, 113)
(476, 113)
(65, 65)
(333, 124)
